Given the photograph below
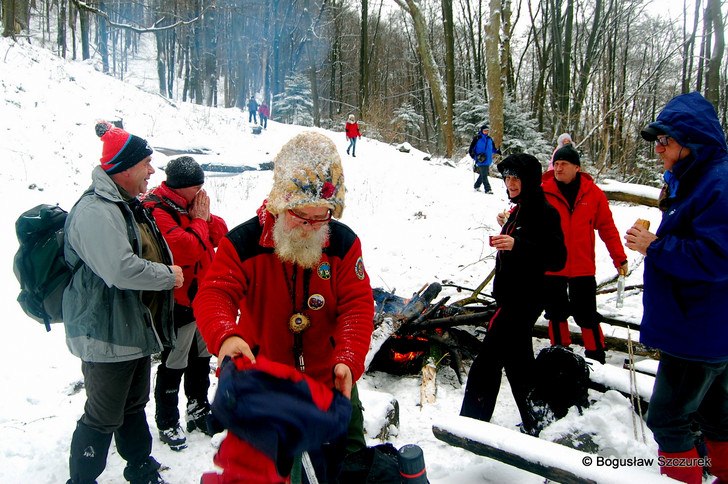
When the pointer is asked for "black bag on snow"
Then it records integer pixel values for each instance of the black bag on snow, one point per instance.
(561, 381)
(372, 465)
(39, 264)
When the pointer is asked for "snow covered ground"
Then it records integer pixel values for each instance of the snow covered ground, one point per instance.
(419, 221)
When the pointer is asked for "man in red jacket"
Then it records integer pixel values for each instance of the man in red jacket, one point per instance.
(290, 285)
(583, 208)
(181, 210)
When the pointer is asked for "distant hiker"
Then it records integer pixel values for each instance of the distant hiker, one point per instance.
(686, 287)
(252, 110)
(530, 243)
(583, 208)
(352, 134)
(264, 112)
(181, 209)
(563, 140)
(117, 308)
(482, 148)
(290, 284)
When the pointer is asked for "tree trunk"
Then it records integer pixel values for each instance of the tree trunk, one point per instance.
(447, 20)
(712, 73)
(495, 75)
(364, 59)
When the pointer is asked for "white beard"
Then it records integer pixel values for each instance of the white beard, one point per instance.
(299, 245)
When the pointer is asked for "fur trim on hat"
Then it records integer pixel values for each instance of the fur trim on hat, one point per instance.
(562, 139)
(121, 150)
(307, 171)
(351, 118)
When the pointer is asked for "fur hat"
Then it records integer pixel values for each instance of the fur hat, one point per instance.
(121, 150)
(563, 139)
(184, 172)
(567, 153)
(307, 171)
(351, 118)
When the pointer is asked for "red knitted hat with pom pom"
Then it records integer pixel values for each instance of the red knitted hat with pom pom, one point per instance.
(121, 150)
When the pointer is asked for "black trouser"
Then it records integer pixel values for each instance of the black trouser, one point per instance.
(575, 296)
(483, 178)
(116, 394)
(507, 344)
(166, 388)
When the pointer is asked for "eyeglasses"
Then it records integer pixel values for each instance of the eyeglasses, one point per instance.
(662, 139)
(311, 221)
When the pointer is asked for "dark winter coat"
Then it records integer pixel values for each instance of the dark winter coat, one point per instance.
(482, 144)
(191, 240)
(686, 268)
(538, 241)
(253, 106)
(105, 318)
(247, 276)
(590, 213)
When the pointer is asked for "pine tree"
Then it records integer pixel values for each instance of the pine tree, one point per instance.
(407, 122)
(295, 105)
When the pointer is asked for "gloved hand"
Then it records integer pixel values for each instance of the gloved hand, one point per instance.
(623, 269)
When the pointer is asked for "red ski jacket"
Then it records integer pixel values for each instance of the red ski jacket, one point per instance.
(247, 292)
(191, 240)
(591, 212)
(352, 130)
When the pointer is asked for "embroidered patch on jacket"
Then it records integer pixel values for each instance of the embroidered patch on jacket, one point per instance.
(316, 302)
(324, 270)
(359, 268)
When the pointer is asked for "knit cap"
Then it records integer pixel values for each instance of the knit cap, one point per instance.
(121, 150)
(184, 172)
(307, 171)
(567, 153)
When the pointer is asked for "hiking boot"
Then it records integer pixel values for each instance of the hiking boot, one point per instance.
(489, 192)
(174, 437)
(145, 473)
(197, 417)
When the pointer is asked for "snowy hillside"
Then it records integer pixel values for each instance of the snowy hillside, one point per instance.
(419, 221)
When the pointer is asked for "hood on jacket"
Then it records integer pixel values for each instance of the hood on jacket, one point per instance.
(527, 168)
(691, 121)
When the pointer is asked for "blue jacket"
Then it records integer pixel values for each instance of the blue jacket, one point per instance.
(686, 268)
(482, 144)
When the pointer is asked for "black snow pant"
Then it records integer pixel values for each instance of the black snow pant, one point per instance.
(116, 394)
(574, 296)
(507, 345)
(166, 389)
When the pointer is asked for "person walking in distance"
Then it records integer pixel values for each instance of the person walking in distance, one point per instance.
(584, 209)
(482, 148)
(685, 288)
(252, 110)
(352, 134)
(264, 112)
(181, 209)
(117, 308)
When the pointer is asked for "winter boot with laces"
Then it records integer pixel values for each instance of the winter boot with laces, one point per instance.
(174, 437)
(198, 413)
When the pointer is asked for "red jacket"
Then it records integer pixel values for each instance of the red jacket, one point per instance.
(591, 212)
(192, 241)
(264, 110)
(352, 130)
(247, 277)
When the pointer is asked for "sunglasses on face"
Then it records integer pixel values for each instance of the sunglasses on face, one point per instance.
(663, 140)
(310, 221)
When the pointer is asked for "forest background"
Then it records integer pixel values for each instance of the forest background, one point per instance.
(427, 72)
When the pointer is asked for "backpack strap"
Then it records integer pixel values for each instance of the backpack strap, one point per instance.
(174, 210)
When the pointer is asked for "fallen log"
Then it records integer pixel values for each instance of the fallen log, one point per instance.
(552, 461)
(618, 196)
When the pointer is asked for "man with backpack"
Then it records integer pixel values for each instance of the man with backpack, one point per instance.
(117, 308)
(482, 148)
(181, 209)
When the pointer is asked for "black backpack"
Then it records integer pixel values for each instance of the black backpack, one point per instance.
(561, 382)
(39, 264)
